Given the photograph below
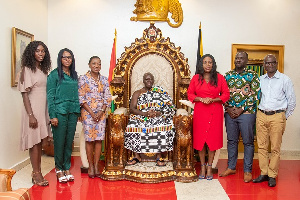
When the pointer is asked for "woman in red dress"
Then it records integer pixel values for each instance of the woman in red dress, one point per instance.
(209, 91)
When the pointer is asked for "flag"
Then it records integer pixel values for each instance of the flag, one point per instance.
(200, 47)
(112, 59)
(112, 66)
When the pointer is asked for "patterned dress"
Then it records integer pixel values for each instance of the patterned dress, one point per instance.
(95, 94)
(151, 135)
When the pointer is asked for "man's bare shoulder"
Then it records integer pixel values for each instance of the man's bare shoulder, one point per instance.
(138, 92)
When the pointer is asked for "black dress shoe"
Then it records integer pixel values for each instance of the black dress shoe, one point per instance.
(272, 182)
(261, 178)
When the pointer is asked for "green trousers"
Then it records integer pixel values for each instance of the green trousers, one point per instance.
(63, 136)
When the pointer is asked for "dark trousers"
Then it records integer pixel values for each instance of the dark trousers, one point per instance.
(244, 124)
(63, 136)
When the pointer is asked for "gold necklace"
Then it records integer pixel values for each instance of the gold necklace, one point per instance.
(95, 79)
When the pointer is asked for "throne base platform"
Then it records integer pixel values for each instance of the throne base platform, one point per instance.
(148, 172)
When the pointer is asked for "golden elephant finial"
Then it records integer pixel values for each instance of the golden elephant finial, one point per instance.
(157, 10)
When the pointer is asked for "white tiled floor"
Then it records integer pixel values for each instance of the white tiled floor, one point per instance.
(201, 188)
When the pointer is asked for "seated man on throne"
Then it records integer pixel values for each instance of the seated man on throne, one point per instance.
(150, 128)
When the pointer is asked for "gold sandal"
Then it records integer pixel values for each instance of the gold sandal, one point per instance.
(42, 182)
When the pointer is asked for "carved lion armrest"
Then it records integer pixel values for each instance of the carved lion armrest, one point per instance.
(115, 154)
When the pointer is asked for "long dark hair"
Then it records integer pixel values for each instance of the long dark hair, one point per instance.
(213, 73)
(28, 57)
(73, 73)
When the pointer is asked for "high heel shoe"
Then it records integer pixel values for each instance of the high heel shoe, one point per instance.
(91, 175)
(91, 172)
(97, 172)
(203, 168)
(61, 176)
(69, 176)
(209, 177)
(42, 182)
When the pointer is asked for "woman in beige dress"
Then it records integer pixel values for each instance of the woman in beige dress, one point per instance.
(35, 127)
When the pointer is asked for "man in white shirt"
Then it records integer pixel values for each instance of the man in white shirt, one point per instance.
(278, 102)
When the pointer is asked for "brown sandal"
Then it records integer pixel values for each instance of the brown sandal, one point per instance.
(133, 161)
(35, 181)
(160, 162)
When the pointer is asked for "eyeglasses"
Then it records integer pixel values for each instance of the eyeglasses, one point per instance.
(66, 57)
(271, 63)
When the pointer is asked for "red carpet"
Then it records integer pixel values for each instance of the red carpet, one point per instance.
(288, 186)
(86, 188)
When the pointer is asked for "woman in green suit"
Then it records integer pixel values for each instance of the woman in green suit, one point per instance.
(64, 109)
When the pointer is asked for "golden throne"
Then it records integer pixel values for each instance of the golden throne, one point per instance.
(156, 54)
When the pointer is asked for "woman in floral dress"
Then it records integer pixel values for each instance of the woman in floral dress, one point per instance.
(94, 97)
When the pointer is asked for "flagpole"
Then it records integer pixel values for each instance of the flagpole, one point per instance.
(200, 48)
